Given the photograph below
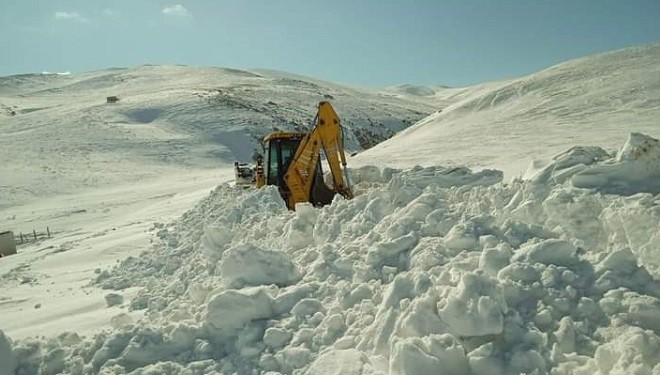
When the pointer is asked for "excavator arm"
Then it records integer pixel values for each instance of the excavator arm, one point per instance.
(301, 174)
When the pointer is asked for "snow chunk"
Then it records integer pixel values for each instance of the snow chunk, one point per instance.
(638, 146)
(420, 319)
(300, 229)
(475, 308)
(461, 237)
(492, 260)
(392, 248)
(633, 222)
(287, 299)
(215, 240)
(631, 351)
(568, 163)
(527, 362)
(635, 170)
(277, 338)
(520, 272)
(338, 362)
(307, 307)
(620, 269)
(293, 358)
(378, 335)
(232, 309)
(633, 308)
(580, 155)
(484, 362)
(245, 264)
(552, 251)
(359, 293)
(370, 174)
(565, 335)
(149, 346)
(422, 177)
(434, 354)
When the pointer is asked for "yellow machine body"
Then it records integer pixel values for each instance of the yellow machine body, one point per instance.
(293, 162)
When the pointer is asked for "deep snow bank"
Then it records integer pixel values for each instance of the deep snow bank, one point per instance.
(430, 270)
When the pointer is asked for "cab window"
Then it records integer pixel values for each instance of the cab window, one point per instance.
(280, 152)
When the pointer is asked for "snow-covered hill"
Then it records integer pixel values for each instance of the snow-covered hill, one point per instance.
(596, 100)
(169, 118)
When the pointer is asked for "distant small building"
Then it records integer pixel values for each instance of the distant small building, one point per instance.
(7, 244)
(112, 99)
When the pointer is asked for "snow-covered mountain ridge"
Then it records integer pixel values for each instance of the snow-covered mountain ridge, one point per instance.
(168, 118)
(595, 100)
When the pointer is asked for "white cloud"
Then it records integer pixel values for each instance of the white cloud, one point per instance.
(108, 12)
(176, 10)
(70, 16)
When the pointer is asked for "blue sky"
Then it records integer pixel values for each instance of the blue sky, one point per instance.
(365, 42)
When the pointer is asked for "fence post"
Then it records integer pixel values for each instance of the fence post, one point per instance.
(35, 234)
(48, 231)
(21, 233)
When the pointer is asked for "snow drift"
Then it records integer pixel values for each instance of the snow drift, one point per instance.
(430, 270)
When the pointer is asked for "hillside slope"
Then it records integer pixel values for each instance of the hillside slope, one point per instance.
(595, 100)
(59, 126)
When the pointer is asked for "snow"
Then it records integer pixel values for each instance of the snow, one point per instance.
(168, 120)
(635, 169)
(593, 101)
(439, 269)
(433, 354)
(248, 265)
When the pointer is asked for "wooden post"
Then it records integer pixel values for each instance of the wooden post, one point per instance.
(35, 234)
(21, 233)
(48, 231)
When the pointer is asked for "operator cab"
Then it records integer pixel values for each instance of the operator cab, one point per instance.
(280, 150)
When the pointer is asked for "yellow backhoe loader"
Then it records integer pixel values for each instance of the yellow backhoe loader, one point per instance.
(293, 162)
